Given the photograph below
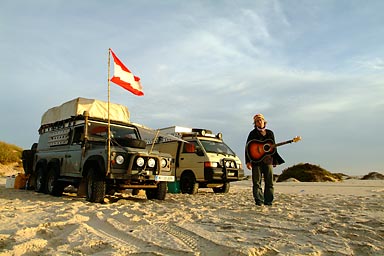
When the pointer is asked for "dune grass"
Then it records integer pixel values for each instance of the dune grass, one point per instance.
(308, 173)
(9, 153)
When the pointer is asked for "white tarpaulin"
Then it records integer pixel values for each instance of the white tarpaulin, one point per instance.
(95, 108)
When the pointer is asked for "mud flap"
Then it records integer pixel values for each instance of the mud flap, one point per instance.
(81, 191)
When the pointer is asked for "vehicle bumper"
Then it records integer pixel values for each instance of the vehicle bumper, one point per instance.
(223, 174)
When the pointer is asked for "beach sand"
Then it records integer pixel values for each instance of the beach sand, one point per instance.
(343, 218)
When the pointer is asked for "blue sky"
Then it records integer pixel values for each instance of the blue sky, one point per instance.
(313, 68)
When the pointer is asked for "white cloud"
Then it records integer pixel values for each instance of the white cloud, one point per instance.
(376, 64)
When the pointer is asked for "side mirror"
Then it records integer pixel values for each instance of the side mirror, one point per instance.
(199, 151)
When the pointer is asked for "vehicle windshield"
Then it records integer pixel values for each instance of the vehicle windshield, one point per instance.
(216, 147)
(100, 130)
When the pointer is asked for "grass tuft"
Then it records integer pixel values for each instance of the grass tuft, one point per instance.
(9, 153)
(308, 173)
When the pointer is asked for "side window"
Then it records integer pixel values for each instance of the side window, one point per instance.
(189, 147)
(78, 134)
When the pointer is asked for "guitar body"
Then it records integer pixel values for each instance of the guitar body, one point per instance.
(257, 150)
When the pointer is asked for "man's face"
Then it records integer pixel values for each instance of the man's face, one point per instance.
(260, 123)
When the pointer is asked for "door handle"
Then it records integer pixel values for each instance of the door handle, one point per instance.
(67, 156)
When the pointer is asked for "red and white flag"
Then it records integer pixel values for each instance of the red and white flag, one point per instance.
(123, 76)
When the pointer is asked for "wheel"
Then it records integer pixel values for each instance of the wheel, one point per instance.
(223, 189)
(161, 190)
(157, 193)
(40, 180)
(188, 183)
(135, 191)
(53, 186)
(95, 186)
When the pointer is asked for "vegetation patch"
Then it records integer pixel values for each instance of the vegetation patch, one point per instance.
(9, 153)
(373, 176)
(308, 173)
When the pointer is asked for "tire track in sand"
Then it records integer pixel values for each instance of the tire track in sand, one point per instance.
(198, 243)
(125, 240)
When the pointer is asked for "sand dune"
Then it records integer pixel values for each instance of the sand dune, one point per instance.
(344, 218)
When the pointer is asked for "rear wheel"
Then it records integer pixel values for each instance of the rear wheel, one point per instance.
(223, 189)
(53, 186)
(188, 183)
(95, 186)
(40, 180)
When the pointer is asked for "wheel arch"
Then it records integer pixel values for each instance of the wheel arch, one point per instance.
(41, 163)
(95, 162)
(187, 172)
(54, 163)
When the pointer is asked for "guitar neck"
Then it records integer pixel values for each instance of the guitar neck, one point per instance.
(283, 143)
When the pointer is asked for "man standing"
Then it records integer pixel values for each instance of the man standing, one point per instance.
(264, 167)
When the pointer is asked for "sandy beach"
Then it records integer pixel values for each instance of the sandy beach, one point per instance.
(343, 218)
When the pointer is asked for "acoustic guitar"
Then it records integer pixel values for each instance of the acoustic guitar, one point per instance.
(257, 150)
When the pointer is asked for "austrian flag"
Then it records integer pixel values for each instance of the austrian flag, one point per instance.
(123, 76)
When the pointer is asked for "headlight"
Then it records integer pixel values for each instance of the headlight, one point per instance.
(151, 162)
(119, 159)
(163, 163)
(140, 162)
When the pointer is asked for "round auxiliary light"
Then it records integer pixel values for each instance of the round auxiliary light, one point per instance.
(140, 162)
(163, 163)
(232, 164)
(151, 162)
(119, 159)
(228, 164)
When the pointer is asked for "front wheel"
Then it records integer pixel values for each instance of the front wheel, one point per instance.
(188, 184)
(96, 186)
(157, 193)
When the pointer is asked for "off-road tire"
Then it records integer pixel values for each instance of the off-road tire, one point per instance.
(223, 189)
(40, 180)
(96, 186)
(157, 193)
(135, 191)
(188, 184)
(53, 186)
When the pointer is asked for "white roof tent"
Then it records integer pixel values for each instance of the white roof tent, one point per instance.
(96, 109)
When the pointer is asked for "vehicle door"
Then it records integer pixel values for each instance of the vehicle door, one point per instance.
(72, 158)
(192, 158)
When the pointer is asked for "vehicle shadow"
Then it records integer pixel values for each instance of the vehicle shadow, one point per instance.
(26, 195)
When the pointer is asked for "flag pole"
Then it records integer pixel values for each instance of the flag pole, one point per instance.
(109, 119)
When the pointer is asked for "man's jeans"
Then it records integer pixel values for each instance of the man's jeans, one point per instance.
(258, 171)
